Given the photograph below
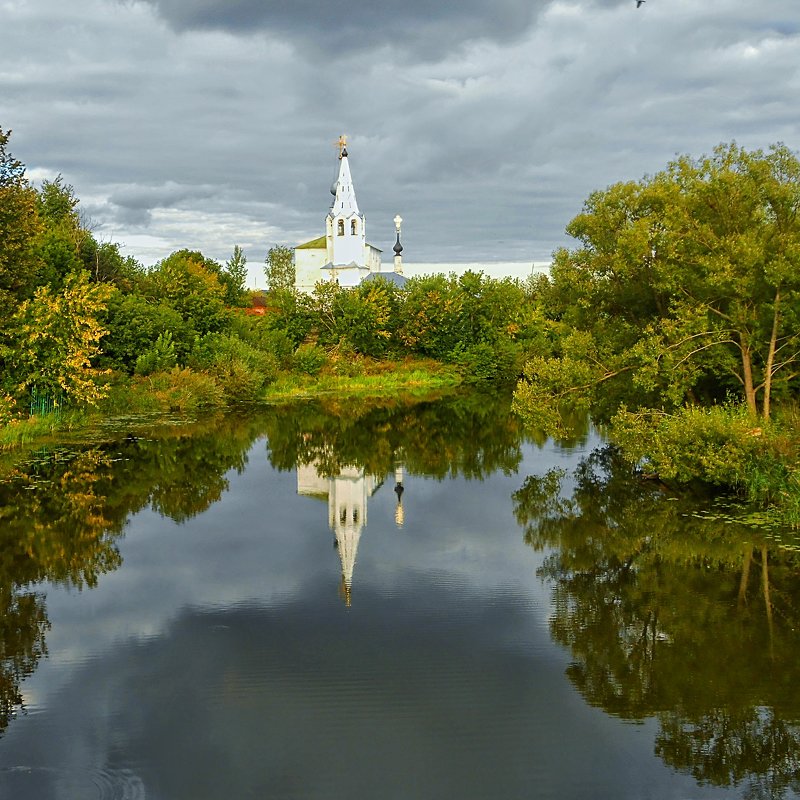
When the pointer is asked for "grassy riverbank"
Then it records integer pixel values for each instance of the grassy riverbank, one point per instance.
(186, 392)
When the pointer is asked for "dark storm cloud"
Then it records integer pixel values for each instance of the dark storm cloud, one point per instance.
(420, 26)
(133, 205)
(138, 198)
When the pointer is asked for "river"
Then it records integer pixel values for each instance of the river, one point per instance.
(344, 600)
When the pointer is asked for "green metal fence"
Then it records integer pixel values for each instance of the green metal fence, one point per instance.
(46, 401)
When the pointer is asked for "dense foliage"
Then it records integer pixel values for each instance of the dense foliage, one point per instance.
(682, 296)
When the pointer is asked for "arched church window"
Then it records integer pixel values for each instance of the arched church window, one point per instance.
(355, 516)
(353, 226)
(341, 227)
(343, 515)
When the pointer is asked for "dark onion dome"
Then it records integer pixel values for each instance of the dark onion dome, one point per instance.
(398, 248)
(344, 152)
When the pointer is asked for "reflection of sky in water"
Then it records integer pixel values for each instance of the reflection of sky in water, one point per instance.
(220, 660)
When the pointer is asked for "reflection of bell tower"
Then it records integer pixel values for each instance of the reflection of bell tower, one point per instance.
(347, 516)
(347, 495)
(399, 513)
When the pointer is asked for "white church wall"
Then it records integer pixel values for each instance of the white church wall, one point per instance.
(373, 258)
(308, 265)
(491, 269)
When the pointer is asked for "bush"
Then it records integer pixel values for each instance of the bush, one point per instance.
(241, 371)
(212, 351)
(159, 357)
(484, 362)
(183, 390)
(255, 332)
(343, 360)
(713, 445)
(309, 358)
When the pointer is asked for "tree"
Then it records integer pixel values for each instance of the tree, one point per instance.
(20, 227)
(134, 325)
(190, 283)
(104, 262)
(686, 287)
(63, 238)
(234, 278)
(279, 268)
(53, 337)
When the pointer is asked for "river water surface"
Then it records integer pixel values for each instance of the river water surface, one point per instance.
(384, 602)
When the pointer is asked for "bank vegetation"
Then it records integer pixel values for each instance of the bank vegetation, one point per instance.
(674, 324)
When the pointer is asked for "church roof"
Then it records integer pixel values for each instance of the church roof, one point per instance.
(315, 244)
(390, 277)
(351, 265)
(344, 203)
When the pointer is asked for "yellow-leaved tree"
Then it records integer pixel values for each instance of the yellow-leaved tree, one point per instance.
(52, 338)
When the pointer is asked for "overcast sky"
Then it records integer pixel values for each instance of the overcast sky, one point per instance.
(204, 124)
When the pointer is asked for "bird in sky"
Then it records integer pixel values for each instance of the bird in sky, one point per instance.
(639, 3)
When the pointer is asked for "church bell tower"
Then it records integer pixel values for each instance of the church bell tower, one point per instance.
(345, 224)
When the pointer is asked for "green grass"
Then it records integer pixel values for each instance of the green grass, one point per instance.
(22, 432)
(190, 394)
(375, 378)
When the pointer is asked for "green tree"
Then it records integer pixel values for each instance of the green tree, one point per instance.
(104, 262)
(291, 313)
(279, 268)
(20, 227)
(53, 337)
(685, 287)
(234, 278)
(190, 283)
(63, 237)
(480, 324)
(431, 315)
(133, 325)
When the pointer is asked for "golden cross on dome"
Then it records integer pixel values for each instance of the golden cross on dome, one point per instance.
(341, 144)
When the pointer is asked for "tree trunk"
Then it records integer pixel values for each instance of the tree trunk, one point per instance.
(747, 378)
(773, 341)
(748, 558)
(767, 602)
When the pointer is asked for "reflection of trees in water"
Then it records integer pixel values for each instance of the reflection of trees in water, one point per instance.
(56, 526)
(62, 511)
(23, 623)
(750, 745)
(690, 620)
(472, 435)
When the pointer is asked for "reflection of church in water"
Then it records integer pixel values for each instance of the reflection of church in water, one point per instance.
(347, 494)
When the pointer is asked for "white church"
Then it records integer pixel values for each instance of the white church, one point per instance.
(343, 253)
